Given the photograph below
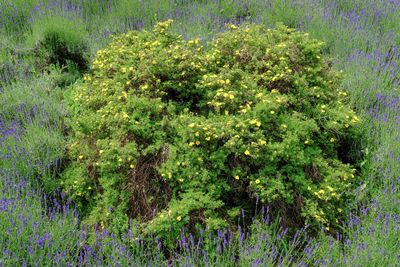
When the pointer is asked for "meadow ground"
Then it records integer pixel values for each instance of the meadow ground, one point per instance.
(38, 229)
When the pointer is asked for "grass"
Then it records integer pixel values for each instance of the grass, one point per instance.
(361, 37)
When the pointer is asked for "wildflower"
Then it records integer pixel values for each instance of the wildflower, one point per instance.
(262, 142)
(272, 112)
(101, 151)
(237, 177)
(332, 140)
(179, 218)
(247, 152)
(80, 157)
(306, 142)
(256, 122)
(257, 181)
(131, 166)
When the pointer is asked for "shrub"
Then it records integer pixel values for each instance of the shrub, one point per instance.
(60, 41)
(174, 133)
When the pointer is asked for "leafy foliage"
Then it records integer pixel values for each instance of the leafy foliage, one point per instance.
(60, 41)
(174, 133)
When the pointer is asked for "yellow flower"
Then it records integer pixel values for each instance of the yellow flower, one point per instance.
(247, 152)
(257, 181)
(101, 151)
(306, 142)
(131, 166)
(272, 112)
(80, 157)
(179, 218)
(237, 177)
(256, 122)
(191, 125)
(332, 140)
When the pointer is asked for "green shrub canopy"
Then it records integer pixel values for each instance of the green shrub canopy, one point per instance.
(174, 133)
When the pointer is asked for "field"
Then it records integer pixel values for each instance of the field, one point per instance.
(49, 54)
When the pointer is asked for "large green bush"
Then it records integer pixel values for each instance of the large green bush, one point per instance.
(174, 133)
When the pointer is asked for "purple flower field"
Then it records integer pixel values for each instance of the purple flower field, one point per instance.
(41, 226)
